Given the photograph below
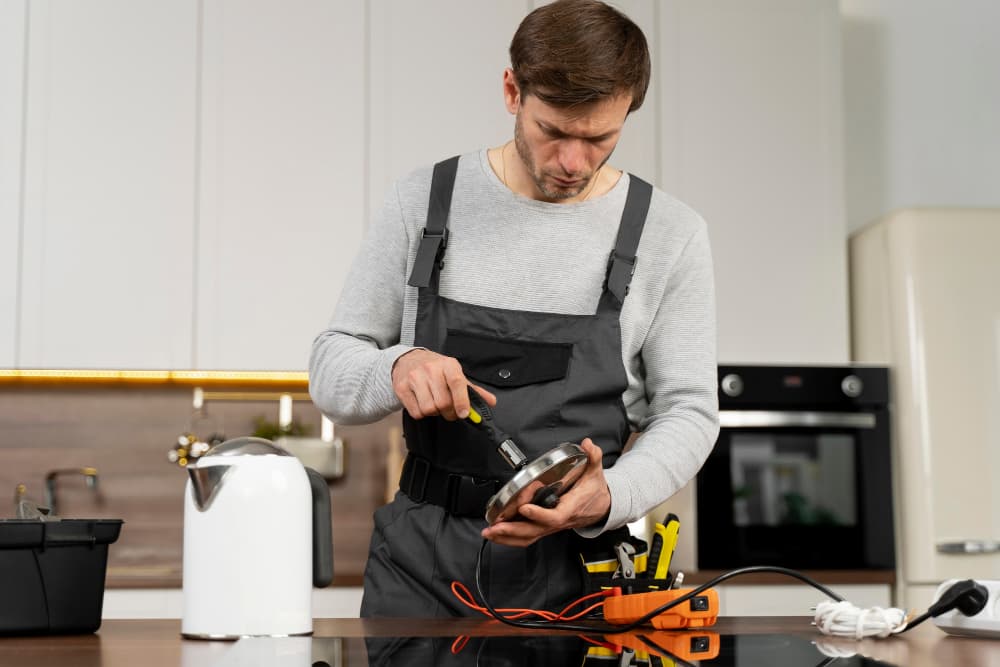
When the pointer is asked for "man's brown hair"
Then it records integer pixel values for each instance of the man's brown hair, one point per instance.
(574, 52)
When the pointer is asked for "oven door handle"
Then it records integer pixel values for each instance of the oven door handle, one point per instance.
(795, 418)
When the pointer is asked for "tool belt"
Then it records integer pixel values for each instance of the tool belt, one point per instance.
(459, 495)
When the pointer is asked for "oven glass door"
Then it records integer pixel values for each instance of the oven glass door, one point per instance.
(797, 489)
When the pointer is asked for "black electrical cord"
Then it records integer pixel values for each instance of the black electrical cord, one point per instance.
(642, 620)
(969, 597)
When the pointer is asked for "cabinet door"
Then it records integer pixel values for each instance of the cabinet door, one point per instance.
(638, 149)
(13, 27)
(751, 138)
(109, 190)
(436, 82)
(436, 72)
(282, 176)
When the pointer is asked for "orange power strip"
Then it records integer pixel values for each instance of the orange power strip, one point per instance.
(700, 611)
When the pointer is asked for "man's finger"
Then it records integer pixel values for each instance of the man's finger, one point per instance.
(489, 397)
(457, 387)
(515, 533)
(409, 401)
(595, 455)
(443, 399)
(420, 386)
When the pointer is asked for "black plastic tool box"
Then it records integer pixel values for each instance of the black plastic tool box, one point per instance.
(52, 574)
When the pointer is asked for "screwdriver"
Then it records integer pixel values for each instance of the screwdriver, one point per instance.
(481, 417)
(662, 549)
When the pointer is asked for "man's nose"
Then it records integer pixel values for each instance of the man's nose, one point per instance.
(572, 156)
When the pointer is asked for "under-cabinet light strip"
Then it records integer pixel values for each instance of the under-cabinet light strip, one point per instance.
(192, 378)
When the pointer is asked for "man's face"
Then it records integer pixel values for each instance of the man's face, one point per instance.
(563, 149)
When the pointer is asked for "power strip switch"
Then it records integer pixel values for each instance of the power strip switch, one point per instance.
(985, 623)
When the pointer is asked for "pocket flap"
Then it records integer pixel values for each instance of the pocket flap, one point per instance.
(508, 362)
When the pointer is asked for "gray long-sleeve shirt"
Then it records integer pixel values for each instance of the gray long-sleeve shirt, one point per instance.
(512, 252)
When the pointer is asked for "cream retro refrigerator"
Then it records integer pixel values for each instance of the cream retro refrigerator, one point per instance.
(925, 299)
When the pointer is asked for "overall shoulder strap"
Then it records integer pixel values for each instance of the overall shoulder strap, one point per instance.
(434, 238)
(623, 258)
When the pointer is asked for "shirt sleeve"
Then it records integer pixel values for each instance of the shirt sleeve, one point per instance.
(682, 423)
(350, 367)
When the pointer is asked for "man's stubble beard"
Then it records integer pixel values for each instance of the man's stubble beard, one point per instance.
(524, 152)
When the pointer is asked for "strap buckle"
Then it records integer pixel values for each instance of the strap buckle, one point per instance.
(439, 239)
(621, 268)
(443, 235)
(430, 252)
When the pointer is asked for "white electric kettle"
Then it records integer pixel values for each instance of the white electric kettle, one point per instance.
(257, 538)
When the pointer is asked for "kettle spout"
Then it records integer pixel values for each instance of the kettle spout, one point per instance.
(206, 482)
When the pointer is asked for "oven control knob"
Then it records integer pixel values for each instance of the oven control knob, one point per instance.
(852, 386)
(732, 385)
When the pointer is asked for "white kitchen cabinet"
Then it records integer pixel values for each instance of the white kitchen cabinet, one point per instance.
(13, 27)
(282, 176)
(751, 138)
(436, 74)
(109, 153)
(638, 149)
(332, 602)
(794, 600)
(436, 83)
(196, 176)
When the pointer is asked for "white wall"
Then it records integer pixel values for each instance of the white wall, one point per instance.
(922, 105)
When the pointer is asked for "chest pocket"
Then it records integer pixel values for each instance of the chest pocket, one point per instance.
(504, 362)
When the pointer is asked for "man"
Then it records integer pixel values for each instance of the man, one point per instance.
(533, 273)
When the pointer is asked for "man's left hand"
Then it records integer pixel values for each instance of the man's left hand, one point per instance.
(586, 503)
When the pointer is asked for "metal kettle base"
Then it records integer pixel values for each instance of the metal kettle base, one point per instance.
(540, 482)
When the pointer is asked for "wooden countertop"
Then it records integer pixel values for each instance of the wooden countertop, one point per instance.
(157, 643)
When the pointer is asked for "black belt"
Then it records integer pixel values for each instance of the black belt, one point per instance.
(460, 495)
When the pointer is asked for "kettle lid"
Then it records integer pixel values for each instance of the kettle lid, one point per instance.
(245, 446)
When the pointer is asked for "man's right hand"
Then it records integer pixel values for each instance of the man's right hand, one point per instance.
(428, 383)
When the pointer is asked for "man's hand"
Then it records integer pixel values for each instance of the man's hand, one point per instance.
(586, 503)
(428, 383)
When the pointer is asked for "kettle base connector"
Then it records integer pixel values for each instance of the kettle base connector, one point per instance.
(547, 497)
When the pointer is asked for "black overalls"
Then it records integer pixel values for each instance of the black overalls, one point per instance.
(558, 378)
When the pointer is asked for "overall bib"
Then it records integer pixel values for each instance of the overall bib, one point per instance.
(557, 378)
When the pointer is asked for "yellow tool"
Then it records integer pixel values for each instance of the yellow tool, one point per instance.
(662, 549)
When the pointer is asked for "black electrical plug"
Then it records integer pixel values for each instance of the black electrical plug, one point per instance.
(968, 597)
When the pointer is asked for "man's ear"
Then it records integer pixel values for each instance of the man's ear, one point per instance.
(511, 91)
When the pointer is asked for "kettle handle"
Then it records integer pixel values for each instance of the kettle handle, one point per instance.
(322, 530)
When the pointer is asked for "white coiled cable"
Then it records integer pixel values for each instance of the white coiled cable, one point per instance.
(844, 619)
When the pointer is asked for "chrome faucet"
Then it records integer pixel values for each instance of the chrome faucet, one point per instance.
(90, 474)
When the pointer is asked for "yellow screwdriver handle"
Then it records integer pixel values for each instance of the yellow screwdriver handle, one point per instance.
(669, 544)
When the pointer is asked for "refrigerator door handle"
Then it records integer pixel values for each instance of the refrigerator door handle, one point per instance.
(969, 547)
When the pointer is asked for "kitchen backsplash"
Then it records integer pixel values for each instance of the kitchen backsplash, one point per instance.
(126, 432)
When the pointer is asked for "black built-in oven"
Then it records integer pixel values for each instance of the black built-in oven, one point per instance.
(800, 476)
